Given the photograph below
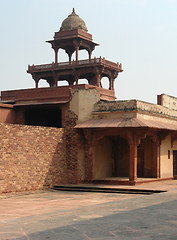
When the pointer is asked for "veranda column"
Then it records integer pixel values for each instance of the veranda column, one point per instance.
(133, 162)
(133, 141)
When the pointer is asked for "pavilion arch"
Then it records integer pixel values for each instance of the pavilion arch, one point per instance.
(83, 81)
(43, 83)
(105, 82)
(62, 55)
(63, 83)
(83, 54)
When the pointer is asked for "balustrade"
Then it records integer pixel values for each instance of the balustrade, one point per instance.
(100, 60)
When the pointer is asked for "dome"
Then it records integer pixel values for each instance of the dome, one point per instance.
(72, 22)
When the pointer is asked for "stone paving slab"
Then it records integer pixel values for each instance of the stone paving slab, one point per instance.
(61, 215)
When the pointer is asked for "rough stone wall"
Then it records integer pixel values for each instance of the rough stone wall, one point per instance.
(31, 157)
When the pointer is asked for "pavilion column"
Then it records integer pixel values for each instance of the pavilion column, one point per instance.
(111, 83)
(70, 58)
(112, 78)
(76, 79)
(37, 83)
(90, 55)
(77, 54)
(98, 79)
(56, 81)
(56, 55)
(36, 79)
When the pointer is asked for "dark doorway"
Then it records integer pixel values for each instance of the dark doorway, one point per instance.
(174, 162)
(43, 116)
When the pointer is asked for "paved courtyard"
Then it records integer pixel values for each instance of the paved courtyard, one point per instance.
(58, 215)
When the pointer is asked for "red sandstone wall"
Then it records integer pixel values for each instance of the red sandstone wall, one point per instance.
(31, 157)
(6, 113)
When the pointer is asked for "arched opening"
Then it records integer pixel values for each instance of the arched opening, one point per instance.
(62, 56)
(145, 158)
(105, 82)
(63, 83)
(83, 54)
(82, 81)
(43, 83)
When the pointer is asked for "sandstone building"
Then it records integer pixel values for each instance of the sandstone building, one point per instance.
(78, 133)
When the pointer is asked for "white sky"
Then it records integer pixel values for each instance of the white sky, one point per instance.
(141, 34)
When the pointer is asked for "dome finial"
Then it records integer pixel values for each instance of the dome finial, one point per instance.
(74, 11)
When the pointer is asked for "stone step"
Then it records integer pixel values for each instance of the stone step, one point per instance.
(105, 190)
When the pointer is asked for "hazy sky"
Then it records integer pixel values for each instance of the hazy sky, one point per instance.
(141, 34)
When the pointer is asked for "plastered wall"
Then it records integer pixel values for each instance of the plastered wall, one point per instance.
(82, 103)
(102, 165)
(166, 164)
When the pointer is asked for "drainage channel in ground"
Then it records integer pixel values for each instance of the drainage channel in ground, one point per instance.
(106, 190)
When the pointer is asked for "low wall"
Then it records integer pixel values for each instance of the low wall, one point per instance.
(31, 157)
